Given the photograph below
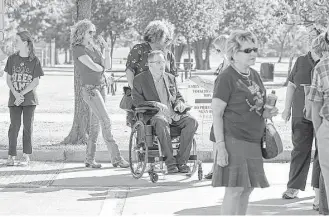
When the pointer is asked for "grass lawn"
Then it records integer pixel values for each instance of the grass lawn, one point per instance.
(54, 116)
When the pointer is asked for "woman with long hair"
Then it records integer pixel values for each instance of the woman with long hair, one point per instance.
(23, 73)
(91, 65)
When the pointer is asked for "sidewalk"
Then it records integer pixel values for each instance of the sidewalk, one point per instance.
(49, 188)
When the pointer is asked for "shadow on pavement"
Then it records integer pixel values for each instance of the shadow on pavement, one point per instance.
(114, 184)
(277, 206)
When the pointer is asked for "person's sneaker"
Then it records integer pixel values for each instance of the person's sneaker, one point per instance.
(122, 163)
(172, 169)
(316, 207)
(10, 160)
(290, 193)
(25, 161)
(208, 176)
(183, 168)
(93, 164)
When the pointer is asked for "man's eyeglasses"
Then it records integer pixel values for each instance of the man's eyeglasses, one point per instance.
(159, 62)
(218, 50)
(249, 50)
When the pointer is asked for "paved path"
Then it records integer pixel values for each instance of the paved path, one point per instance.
(56, 188)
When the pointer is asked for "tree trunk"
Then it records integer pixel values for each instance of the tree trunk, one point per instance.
(80, 127)
(179, 50)
(65, 50)
(201, 46)
(56, 56)
(113, 40)
(289, 69)
(189, 51)
(282, 43)
(207, 60)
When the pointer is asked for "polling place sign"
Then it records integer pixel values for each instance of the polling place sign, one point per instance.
(200, 99)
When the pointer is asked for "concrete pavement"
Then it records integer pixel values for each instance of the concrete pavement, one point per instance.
(58, 188)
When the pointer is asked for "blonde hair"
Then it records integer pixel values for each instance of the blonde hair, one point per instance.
(321, 44)
(157, 29)
(236, 38)
(220, 43)
(26, 36)
(79, 30)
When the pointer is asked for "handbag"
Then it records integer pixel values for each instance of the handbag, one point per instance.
(126, 101)
(271, 143)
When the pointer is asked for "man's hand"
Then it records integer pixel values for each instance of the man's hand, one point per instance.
(161, 106)
(286, 114)
(180, 107)
(269, 113)
(222, 155)
(163, 109)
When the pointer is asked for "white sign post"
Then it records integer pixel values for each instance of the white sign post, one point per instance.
(200, 100)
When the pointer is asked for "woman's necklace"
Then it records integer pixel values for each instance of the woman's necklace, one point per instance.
(244, 75)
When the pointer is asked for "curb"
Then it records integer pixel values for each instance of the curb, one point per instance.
(103, 156)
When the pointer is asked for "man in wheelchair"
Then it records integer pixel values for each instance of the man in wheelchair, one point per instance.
(159, 89)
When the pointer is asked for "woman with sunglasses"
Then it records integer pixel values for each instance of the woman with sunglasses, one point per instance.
(91, 65)
(238, 100)
(157, 36)
(24, 71)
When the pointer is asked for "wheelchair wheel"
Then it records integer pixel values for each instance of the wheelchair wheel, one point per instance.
(153, 177)
(138, 150)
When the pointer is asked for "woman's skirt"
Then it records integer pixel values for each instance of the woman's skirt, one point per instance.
(245, 166)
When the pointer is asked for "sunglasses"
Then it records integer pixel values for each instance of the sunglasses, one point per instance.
(218, 50)
(249, 50)
(92, 32)
(167, 40)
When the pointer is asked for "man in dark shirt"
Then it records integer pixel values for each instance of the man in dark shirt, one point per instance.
(302, 129)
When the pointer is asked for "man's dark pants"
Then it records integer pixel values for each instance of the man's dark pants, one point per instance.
(15, 125)
(187, 125)
(302, 139)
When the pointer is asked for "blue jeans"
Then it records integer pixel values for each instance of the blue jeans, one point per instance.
(94, 96)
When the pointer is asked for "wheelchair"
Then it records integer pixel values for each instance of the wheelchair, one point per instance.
(145, 153)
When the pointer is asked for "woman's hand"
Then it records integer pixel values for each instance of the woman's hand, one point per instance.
(103, 42)
(286, 114)
(269, 113)
(222, 155)
(18, 96)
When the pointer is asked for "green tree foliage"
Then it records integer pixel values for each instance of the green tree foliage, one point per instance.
(113, 19)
